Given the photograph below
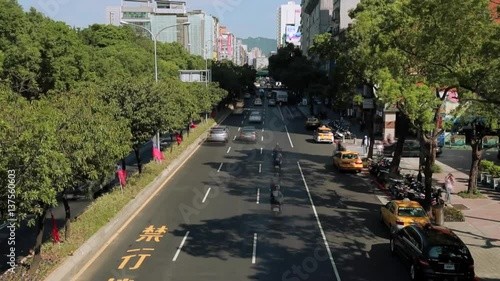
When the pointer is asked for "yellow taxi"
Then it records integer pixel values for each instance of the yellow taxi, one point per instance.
(400, 213)
(312, 122)
(347, 161)
(323, 134)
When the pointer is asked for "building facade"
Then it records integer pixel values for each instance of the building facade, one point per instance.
(340, 16)
(315, 19)
(260, 62)
(202, 34)
(288, 23)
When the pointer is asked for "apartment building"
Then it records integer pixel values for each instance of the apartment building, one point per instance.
(315, 19)
(202, 34)
(340, 16)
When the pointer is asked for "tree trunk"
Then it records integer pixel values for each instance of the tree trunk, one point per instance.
(371, 131)
(474, 168)
(396, 159)
(67, 218)
(428, 172)
(138, 157)
(421, 158)
(38, 244)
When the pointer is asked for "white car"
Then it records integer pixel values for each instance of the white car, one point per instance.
(255, 117)
(257, 102)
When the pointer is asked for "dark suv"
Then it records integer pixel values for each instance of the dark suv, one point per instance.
(434, 253)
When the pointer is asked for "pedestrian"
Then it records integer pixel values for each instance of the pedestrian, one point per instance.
(449, 182)
(365, 143)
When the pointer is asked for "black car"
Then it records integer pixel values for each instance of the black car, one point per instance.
(434, 253)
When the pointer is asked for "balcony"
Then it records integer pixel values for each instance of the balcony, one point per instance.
(139, 9)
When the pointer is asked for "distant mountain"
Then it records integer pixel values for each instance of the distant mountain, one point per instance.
(265, 44)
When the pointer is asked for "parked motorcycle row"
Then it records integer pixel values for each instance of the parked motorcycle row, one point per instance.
(341, 128)
(401, 186)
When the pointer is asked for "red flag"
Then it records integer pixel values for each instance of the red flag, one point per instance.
(55, 233)
(157, 155)
(122, 176)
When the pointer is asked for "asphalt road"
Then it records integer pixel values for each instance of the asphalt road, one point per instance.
(462, 159)
(220, 225)
(26, 236)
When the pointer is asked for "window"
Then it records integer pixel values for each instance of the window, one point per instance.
(414, 238)
(415, 212)
(440, 252)
(350, 156)
(324, 131)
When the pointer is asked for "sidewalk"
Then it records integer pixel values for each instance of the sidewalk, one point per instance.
(481, 229)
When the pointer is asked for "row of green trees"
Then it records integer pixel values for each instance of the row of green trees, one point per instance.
(76, 101)
(410, 52)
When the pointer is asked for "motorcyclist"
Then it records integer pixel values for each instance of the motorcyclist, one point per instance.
(277, 149)
(276, 195)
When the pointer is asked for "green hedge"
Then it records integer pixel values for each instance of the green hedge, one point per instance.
(490, 168)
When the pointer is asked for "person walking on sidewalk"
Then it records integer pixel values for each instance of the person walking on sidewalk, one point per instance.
(449, 181)
(365, 143)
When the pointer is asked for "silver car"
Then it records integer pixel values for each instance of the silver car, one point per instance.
(218, 134)
(255, 117)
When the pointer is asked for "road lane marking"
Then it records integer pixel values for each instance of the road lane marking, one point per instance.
(260, 168)
(254, 254)
(262, 138)
(262, 122)
(239, 128)
(234, 138)
(261, 150)
(229, 149)
(133, 216)
(263, 130)
(218, 170)
(290, 139)
(258, 195)
(242, 121)
(180, 246)
(205, 198)
(282, 117)
(291, 114)
(334, 266)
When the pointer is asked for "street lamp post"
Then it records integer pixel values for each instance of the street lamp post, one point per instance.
(155, 39)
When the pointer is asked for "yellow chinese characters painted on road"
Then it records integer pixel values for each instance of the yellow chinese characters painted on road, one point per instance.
(151, 233)
(136, 257)
(141, 257)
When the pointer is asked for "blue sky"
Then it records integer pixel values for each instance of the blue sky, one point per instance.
(244, 18)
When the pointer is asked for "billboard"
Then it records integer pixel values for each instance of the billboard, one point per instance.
(292, 34)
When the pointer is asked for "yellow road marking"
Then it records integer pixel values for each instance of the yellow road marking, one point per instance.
(92, 260)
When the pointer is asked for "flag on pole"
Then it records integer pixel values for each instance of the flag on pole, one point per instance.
(122, 176)
(157, 155)
(55, 233)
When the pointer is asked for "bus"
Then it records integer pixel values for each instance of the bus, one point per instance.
(280, 96)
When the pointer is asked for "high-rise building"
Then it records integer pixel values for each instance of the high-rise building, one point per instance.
(202, 34)
(315, 19)
(113, 15)
(340, 16)
(288, 23)
(226, 44)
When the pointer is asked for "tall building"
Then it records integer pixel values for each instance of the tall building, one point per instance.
(260, 62)
(226, 44)
(158, 16)
(202, 34)
(340, 16)
(315, 19)
(288, 22)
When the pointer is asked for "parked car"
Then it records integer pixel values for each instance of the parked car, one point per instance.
(433, 252)
(347, 161)
(247, 96)
(248, 134)
(255, 117)
(411, 148)
(272, 102)
(218, 134)
(400, 213)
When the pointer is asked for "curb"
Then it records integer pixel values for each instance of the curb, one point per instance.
(72, 264)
